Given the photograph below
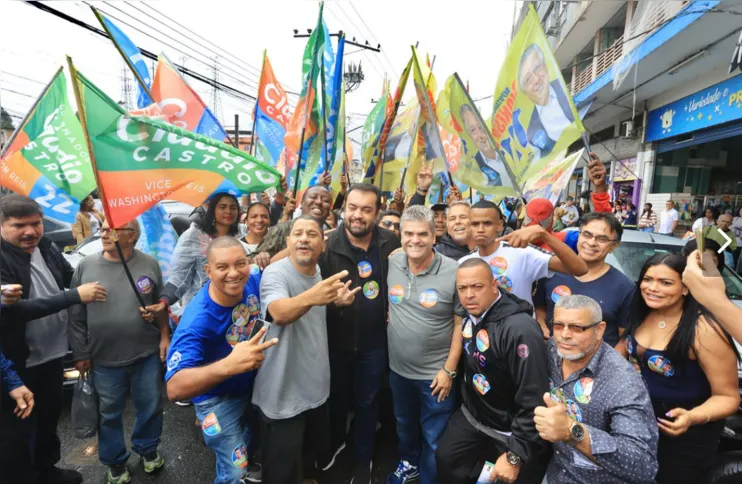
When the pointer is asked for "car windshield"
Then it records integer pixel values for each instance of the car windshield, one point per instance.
(629, 257)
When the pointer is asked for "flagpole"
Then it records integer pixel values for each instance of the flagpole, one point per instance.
(101, 191)
(489, 134)
(29, 113)
(257, 105)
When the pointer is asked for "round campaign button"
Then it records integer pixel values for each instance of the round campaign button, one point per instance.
(481, 383)
(483, 340)
(467, 331)
(499, 266)
(559, 292)
(662, 365)
(145, 285)
(240, 314)
(253, 306)
(364, 269)
(235, 334)
(582, 389)
(210, 425)
(254, 269)
(396, 294)
(574, 410)
(239, 456)
(371, 289)
(428, 298)
(505, 283)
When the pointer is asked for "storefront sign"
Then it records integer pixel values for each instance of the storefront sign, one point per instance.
(714, 105)
(625, 170)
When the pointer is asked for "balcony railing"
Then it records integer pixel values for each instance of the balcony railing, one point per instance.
(651, 16)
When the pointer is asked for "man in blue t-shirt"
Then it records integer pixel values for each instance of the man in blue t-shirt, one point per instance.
(210, 359)
(600, 234)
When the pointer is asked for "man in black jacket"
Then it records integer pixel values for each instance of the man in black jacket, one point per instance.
(357, 333)
(33, 335)
(505, 374)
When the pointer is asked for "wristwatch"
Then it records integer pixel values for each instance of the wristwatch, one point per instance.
(576, 434)
(450, 373)
(513, 459)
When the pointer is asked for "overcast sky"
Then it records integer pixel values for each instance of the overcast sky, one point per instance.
(466, 36)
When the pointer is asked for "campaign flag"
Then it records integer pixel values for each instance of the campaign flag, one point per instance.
(379, 155)
(552, 179)
(343, 148)
(272, 113)
(131, 54)
(306, 116)
(371, 131)
(140, 161)
(480, 165)
(425, 87)
(534, 119)
(47, 158)
(158, 237)
(401, 150)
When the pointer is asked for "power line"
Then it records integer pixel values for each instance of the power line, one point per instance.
(375, 39)
(189, 72)
(22, 77)
(369, 59)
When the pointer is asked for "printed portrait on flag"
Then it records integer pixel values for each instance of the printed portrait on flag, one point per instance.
(551, 113)
(534, 119)
(487, 158)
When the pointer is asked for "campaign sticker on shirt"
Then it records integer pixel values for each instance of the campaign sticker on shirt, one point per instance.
(254, 269)
(396, 294)
(253, 306)
(630, 345)
(235, 334)
(662, 365)
(499, 266)
(145, 285)
(371, 289)
(559, 292)
(239, 456)
(522, 350)
(573, 410)
(505, 283)
(481, 383)
(174, 361)
(210, 425)
(428, 298)
(467, 331)
(582, 389)
(364, 269)
(240, 314)
(483, 340)
(557, 394)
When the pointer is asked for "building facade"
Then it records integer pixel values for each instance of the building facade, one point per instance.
(664, 109)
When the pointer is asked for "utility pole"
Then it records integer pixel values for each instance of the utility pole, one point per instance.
(215, 101)
(126, 91)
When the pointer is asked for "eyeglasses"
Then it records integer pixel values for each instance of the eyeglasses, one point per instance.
(601, 239)
(108, 231)
(573, 328)
(388, 225)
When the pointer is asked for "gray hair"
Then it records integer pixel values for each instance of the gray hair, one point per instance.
(531, 49)
(578, 301)
(418, 213)
(136, 227)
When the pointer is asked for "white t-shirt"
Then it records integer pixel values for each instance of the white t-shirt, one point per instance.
(701, 223)
(517, 269)
(667, 217)
(94, 223)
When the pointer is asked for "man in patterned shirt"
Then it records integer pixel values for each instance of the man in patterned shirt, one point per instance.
(598, 413)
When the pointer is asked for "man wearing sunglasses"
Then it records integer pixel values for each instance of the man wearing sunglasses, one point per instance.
(123, 347)
(597, 414)
(600, 234)
(390, 221)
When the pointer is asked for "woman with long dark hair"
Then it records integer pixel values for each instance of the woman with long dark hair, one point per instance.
(257, 221)
(648, 219)
(689, 364)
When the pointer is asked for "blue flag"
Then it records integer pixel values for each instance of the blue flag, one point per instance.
(158, 237)
(134, 56)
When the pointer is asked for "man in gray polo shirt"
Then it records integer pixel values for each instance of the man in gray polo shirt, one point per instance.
(424, 334)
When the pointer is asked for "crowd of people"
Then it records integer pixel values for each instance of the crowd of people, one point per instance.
(515, 354)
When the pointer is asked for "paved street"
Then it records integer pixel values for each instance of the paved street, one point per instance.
(189, 461)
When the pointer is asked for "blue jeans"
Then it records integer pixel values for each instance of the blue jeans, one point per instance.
(646, 229)
(414, 406)
(360, 375)
(224, 425)
(143, 379)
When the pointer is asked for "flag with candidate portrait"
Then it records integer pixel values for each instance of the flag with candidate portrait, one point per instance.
(534, 119)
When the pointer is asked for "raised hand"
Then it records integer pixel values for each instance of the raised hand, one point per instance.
(280, 197)
(325, 179)
(454, 195)
(91, 292)
(345, 295)
(425, 176)
(248, 355)
(596, 173)
(552, 421)
(343, 183)
(522, 237)
(327, 291)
